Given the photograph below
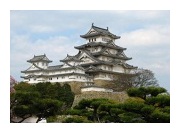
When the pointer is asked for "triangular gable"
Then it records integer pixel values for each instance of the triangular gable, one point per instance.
(112, 44)
(45, 58)
(91, 31)
(86, 57)
(122, 55)
(92, 68)
(33, 67)
(65, 65)
(106, 51)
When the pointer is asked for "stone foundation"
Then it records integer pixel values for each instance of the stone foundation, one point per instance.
(116, 96)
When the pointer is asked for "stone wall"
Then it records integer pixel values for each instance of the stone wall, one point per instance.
(116, 96)
(103, 83)
(76, 87)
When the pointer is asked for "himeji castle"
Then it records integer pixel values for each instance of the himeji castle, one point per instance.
(98, 59)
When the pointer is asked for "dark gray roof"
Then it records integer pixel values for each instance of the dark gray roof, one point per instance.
(39, 58)
(92, 68)
(103, 71)
(94, 44)
(40, 69)
(100, 31)
(88, 53)
(72, 73)
(55, 75)
(118, 56)
(54, 67)
(71, 58)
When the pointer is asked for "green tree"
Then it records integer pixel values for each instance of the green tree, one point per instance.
(42, 100)
(145, 105)
(143, 92)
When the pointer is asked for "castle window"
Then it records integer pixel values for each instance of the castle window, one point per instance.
(29, 79)
(57, 77)
(94, 39)
(89, 40)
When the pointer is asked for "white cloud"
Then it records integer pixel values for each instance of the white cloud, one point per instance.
(23, 48)
(156, 35)
(41, 28)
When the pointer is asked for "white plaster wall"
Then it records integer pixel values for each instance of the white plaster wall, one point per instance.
(113, 51)
(68, 78)
(118, 68)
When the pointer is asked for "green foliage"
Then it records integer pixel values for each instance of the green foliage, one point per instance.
(83, 104)
(146, 105)
(160, 117)
(159, 101)
(65, 94)
(52, 119)
(147, 109)
(130, 117)
(133, 106)
(42, 100)
(23, 110)
(74, 112)
(137, 92)
(143, 92)
(154, 91)
(76, 119)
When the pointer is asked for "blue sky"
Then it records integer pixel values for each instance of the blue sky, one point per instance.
(145, 34)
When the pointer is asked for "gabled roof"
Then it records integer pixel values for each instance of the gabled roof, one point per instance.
(118, 55)
(93, 44)
(57, 67)
(99, 31)
(39, 58)
(70, 58)
(88, 53)
(32, 70)
(92, 68)
(129, 66)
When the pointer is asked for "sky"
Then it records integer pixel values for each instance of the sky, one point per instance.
(145, 34)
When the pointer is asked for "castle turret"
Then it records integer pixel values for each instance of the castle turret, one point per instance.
(97, 34)
(40, 61)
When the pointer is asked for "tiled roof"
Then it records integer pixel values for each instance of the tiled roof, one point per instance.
(39, 58)
(70, 58)
(93, 44)
(54, 67)
(111, 55)
(100, 31)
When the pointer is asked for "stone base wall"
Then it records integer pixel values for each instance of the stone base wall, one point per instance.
(103, 83)
(76, 86)
(116, 96)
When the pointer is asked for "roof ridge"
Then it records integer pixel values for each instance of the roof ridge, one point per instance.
(99, 28)
(39, 55)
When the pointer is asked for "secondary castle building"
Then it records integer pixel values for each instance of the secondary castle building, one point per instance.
(98, 59)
